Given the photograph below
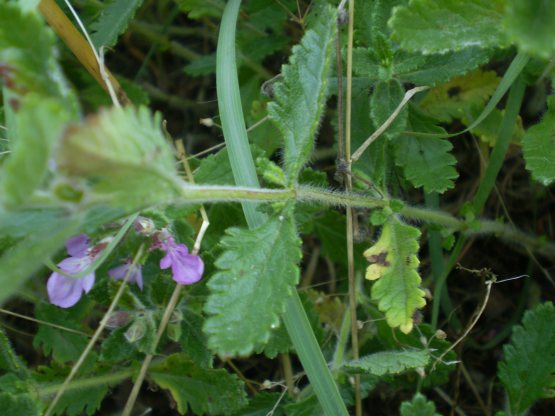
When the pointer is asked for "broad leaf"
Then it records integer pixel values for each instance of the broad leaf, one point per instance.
(81, 401)
(426, 161)
(531, 25)
(538, 146)
(19, 404)
(418, 406)
(29, 65)
(528, 367)
(301, 95)
(113, 21)
(202, 390)
(393, 265)
(434, 69)
(258, 273)
(125, 152)
(39, 123)
(458, 97)
(389, 362)
(431, 26)
(385, 99)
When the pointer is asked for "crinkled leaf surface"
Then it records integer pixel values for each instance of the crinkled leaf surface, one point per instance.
(426, 161)
(39, 123)
(386, 97)
(528, 367)
(300, 96)
(433, 26)
(258, 272)
(418, 406)
(538, 146)
(203, 390)
(390, 362)
(531, 25)
(113, 21)
(393, 265)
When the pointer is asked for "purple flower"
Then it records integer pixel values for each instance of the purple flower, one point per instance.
(186, 268)
(136, 275)
(66, 291)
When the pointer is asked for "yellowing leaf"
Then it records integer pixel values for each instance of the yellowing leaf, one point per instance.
(455, 98)
(393, 266)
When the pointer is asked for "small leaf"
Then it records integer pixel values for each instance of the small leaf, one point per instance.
(81, 401)
(202, 390)
(538, 146)
(193, 341)
(116, 348)
(39, 123)
(441, 26)
(385, 99)
(418, 406)
(531, 25)
(393, 264)
(301, 95)
(19, 404)
(9, 360)
(456, 98)
(258, 273)
(389, 362)
(528, 367)
(113, 21)
(197, 9)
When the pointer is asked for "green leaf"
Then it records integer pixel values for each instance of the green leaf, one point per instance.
(125, 152)
(426, 161)
(431, 26)
(437, 68)
(301, 95)
(258, 272)
(9, 360)
(538, 146)
(264, 404)
(197, 9)
(81, 401)
(531, 25)
(202, 390)
(193, 341)
(116, 348)
(215, 169)
(63, 345)
(39, 125)
(458, 97)
(113, 21)
(27, 255)
(390, 362)
(19, 404)
(29, 66)
(418, 406)
(528, 367)
(385, 99)
(393, 264)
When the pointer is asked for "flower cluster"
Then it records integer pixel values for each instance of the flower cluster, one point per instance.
(66, 291)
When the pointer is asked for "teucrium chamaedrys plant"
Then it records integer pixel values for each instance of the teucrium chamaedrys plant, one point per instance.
(64, 176)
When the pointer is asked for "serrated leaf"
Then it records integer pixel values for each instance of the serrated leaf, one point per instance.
(389, 362)
(386, 97)
(124, 151)
(393, 265)
(531, 25)
(9, 360)
(193, 341)
(63, 345)
(538, 146)
(418, 406)
(113, 21)
(29, 66)
(202, 390)
(300, 96)
(39, 123)
(81, 401)
(116, 348)
(19, 404)
(456, 98)
(426, 161)
(431, 26)
(528, 367)
(437, 68)
(258, 272)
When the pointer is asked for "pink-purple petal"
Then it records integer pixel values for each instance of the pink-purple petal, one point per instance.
(166, 261)
(118, 273)
(77, 246)
(187, 269)
(87, 282)
(63, 291)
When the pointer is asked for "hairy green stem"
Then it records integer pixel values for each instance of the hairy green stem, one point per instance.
(46, 390)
